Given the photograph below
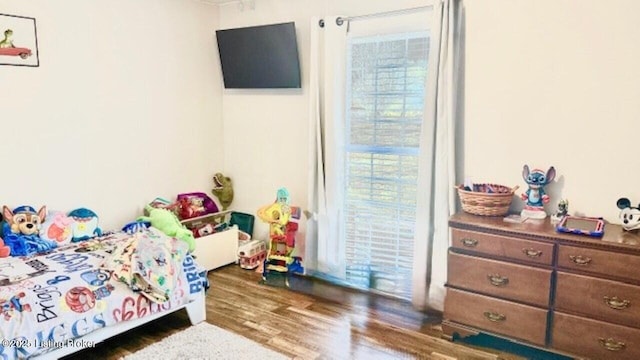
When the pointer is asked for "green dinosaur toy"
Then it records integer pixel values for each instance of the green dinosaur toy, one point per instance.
(167, 222)
(223, 190)
(6, 42)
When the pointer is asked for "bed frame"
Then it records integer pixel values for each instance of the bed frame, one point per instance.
(195, 309)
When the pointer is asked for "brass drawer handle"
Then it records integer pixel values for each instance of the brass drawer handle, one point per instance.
(611, 344)
(580, 260)
(495, 317)
(532, 253)
(616, 303)
(497, 280)
(469, 242)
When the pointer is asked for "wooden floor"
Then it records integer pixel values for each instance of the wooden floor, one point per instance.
(314, 320)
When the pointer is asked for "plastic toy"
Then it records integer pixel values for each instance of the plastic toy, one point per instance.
(167, 222)
(251, 253)
(4, 250)
(223, 190)
(535, 197)
(582, 226)
(629, 215)
(282, 219)
(203, 230)
(85, 224)
(563, 210)
(195, 204)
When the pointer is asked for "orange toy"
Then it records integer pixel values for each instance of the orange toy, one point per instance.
(4, 250)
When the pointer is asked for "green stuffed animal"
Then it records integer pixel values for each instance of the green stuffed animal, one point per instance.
(223, 190)
(167, 222)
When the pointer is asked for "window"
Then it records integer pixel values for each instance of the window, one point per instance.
(385, 101)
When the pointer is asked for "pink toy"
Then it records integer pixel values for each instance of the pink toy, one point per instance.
(60, 228)
(195, 204)
(4, 250)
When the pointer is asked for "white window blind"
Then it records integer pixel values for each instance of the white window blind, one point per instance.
(385, 102)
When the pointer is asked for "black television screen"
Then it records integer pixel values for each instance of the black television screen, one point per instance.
(259, 57)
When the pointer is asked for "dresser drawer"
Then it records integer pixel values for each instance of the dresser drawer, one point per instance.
(607, 300)
(593, 338)
(511, 281)
(514, 248)
(599, 261)
(498, 316)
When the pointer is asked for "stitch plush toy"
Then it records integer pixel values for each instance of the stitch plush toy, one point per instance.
(535, 197)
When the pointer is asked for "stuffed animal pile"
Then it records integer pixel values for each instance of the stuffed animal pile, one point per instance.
(27, 232)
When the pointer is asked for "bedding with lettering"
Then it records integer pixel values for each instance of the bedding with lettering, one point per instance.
(67, 293)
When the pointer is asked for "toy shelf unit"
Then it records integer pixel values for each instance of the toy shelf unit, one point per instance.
(216, 242)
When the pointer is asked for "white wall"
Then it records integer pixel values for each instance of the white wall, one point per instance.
(125, 106)
(266, 131)
(555, 83)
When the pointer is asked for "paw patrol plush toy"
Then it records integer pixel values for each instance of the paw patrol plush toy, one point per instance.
(629, 216)
(24, 219)
(21, 231)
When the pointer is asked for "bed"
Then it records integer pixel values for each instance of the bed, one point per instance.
(60, 302)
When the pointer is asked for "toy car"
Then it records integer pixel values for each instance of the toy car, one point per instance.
(16, 51)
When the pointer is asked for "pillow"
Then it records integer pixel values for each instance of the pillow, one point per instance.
(57, 227)
(85, 224)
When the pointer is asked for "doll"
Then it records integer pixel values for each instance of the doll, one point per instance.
(535, 197)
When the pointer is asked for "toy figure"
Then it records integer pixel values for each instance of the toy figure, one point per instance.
(167, 222)
(24, 219)
(563, 210)
(629, 215)
(535, 197)
(22, 231)
(85, 224)
(7, 42)
(223, 190)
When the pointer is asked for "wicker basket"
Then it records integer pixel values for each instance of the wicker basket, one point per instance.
(481, 202)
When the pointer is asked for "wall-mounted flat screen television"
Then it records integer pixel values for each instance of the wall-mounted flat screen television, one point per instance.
(259, 57)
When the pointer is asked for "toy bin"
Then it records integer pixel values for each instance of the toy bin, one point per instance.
(486, 199)
(243, 221)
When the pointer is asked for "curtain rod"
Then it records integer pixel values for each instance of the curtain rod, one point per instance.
(341, 20)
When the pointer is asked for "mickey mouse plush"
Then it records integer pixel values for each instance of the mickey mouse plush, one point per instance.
(630, 216)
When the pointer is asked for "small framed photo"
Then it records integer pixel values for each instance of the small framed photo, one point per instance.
(18, 41)
(581, 225)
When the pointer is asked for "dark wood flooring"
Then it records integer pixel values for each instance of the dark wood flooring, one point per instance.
(312, 320)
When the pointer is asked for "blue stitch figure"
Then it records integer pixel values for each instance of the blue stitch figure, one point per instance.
(535, 197)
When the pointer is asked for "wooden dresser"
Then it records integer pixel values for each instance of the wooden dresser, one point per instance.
(566, 293)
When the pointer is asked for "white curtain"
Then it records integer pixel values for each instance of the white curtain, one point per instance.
(436, 174)
(323, 249)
